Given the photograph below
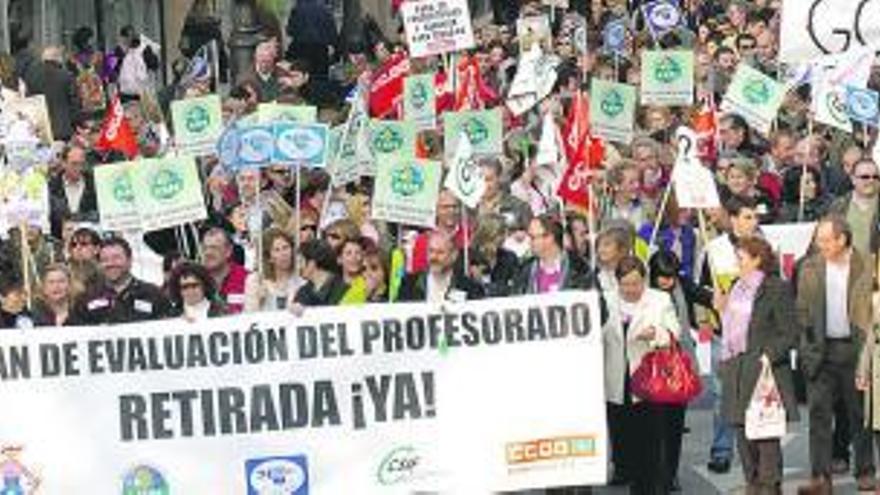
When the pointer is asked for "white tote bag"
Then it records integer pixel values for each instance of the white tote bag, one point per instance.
(765, 416)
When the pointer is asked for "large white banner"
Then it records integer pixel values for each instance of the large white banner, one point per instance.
(458, 398)
(437, 26)
(811, 28)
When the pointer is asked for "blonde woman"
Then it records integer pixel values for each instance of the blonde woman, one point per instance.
(52, 307)
(274, 288)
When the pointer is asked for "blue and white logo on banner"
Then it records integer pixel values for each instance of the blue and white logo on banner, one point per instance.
(256, 145)
(227, 147)
(277, 475)
(863, 105)
(662, 16)
(301, 144)
(614, 36)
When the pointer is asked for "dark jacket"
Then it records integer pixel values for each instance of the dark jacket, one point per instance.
(414, 287)
(327, 295)
(139, 301)
(574, 276)
(44, 316)
(773, 330)
(59, 207)
(310, 23)
(58, 86)
(811, 307)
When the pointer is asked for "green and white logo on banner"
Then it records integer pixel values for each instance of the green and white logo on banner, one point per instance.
(116, 202)
(667, 77)
(268, 113)
(168, 192)
(755, 96)
(406, 192)
(484, 130)
(392, 140)
(419, 105)
(614, 111)
(198, 123)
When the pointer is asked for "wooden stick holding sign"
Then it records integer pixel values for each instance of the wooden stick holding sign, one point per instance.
(802, 199)
(25, 263)
(704, 238)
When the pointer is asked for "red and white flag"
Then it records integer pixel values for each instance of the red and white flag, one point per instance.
(386, 87)
(116, 132)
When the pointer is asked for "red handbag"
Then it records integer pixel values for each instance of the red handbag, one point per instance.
(666, 376)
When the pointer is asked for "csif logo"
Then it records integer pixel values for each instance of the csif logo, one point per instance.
(387, 139)
(197, 119)
(407, 179)
(400, 465)
(165, 184)
(756, 92)
(612, 103)
(667, 70)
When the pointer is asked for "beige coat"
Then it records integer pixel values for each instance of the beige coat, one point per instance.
(655, 309)
(869, 369)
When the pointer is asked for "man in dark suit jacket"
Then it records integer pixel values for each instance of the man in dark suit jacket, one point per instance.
(445, 280)
(72, 192)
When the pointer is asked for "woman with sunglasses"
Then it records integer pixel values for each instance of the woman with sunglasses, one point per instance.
(193, 293)
(275, 285)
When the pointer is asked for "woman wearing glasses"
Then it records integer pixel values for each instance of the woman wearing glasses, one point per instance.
(193, 294)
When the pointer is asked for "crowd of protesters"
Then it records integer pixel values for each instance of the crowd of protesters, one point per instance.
(260, 251)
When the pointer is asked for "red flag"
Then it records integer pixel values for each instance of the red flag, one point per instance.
(705, 127)
(116, 132)
(386, 87)
(472, 92)
(573, 188)
(577, 127)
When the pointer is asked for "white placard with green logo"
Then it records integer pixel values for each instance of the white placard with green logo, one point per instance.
(667, 77)
(484, 128)
(279, 112)
(612, 110)
(198, 123)
(755, 96)
(465, 176)
(168, 192)
(406, 192)
(116, 204)
(392, 140)
(419, 101)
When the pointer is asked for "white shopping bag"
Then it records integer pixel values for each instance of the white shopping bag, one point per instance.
(765, 416)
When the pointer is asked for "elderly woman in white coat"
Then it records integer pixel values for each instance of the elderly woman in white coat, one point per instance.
(640, 319)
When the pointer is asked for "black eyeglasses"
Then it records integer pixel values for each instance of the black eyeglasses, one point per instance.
(868, 177)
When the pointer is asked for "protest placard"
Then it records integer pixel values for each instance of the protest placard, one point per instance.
(167, 192)
(191, 407)
(483, 128)
(863, 105)
(300, 144)
(614, 37)
(534, 30)
(790, 242)
(755, 96)
(268, 113)
(434, 28)
(198, 123)
(405, 191)
(612, 110)
(34, 110)
(662, 16)
(465, 176)
(810, 29)
(117, 210)
(256, 145)
(667, 77)
(392, 140)
(419, 101)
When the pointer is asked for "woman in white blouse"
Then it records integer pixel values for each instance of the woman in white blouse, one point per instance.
(640, 319)
(275, 286)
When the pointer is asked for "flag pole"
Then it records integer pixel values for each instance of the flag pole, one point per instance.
(802, 199)
(25, 265)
